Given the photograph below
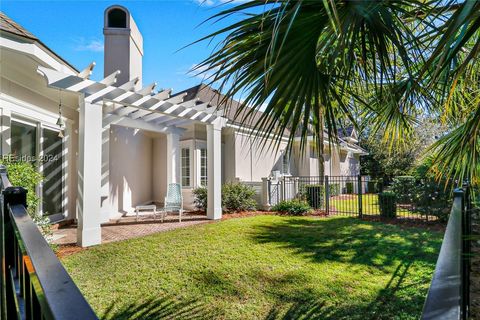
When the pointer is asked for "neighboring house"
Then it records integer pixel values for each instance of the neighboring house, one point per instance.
(107, 146)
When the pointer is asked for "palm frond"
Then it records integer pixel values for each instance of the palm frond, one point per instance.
(309, 61)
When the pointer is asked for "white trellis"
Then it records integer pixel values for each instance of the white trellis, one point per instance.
(102, 104)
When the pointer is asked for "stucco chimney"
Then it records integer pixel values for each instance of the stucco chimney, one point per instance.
(123, 45)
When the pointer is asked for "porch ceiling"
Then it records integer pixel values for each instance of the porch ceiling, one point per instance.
(159, 109)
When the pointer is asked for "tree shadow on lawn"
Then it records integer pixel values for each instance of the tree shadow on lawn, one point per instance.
(351, 240)
(160, 308)
(387, 305)
(397, 300)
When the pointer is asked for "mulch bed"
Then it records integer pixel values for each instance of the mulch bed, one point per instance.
(409, 223)
(245, 214)
(67, 250)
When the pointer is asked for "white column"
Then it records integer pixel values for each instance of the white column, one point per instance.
(106, 205)
(6, 131)
(214, 171)
(89, 173)
(173, 157)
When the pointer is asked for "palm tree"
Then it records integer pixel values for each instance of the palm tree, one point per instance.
(316, 64)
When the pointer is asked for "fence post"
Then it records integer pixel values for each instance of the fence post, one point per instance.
(266, 193)
(359, 191)
(282, 186)
(295, 187)
(466, 248)
(3, 273)
(327, 196)
(10, 196)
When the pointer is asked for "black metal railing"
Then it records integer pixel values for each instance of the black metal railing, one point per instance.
(361, 196)
(448, 297)
(33, 282)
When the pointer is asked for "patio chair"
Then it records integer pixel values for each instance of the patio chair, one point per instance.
(173, 201)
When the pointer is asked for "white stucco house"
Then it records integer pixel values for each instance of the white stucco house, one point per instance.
(120, 142)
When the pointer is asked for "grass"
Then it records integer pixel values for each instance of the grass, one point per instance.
(349, 204)
(263, 267)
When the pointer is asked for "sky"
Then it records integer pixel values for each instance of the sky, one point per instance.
(74, 30)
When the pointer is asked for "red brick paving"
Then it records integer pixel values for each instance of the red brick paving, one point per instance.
(128, 228)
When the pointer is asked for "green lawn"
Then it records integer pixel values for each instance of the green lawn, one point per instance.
(264, 267)
(349, 204)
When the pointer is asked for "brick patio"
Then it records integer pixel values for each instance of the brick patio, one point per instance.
(128, 228)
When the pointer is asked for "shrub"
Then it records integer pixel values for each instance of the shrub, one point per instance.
(25, 175)
(294, 207)
(404, 188)
(432, 199)
(334, 189)
(374, 186)
(314, 194)
(200, 198)
(237, 196)
(349, 187)
(387, 202)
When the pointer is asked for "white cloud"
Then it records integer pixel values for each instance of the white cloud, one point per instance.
(205, 2)
(202, 72)
(93, 45)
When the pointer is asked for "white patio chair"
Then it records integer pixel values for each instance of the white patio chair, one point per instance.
(173, 201)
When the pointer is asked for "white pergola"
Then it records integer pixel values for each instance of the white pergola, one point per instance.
(102, 104)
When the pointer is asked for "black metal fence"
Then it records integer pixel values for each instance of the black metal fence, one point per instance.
(362, 196)
(449, 294)
(33, 282)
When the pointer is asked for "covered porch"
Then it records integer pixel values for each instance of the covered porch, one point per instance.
(114, 173)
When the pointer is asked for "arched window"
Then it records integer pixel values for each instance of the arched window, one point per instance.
(117, 18)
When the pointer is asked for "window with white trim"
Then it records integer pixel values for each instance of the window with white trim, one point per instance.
(185, 167)
(203, 167)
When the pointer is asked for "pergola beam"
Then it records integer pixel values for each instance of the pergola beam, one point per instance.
(142, 100)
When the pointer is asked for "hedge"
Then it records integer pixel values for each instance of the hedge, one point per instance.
(388, 204)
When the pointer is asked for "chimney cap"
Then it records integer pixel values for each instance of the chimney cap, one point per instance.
(117, 16)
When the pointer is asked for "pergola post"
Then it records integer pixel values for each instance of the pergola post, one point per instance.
(214, 171)
(106, 205)
(89, 173)
(173, 157)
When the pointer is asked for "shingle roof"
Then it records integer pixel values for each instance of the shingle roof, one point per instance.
(207, 94)
(7, 24)
(10, 26)
(345, 132)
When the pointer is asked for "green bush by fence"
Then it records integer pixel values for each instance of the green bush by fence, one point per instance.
(294, 207)
(404, 188)
(25, 174)
(236, 196)
(334, 189)
(374, 186)
(315, 195)
(387, 202)
(349, 187)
